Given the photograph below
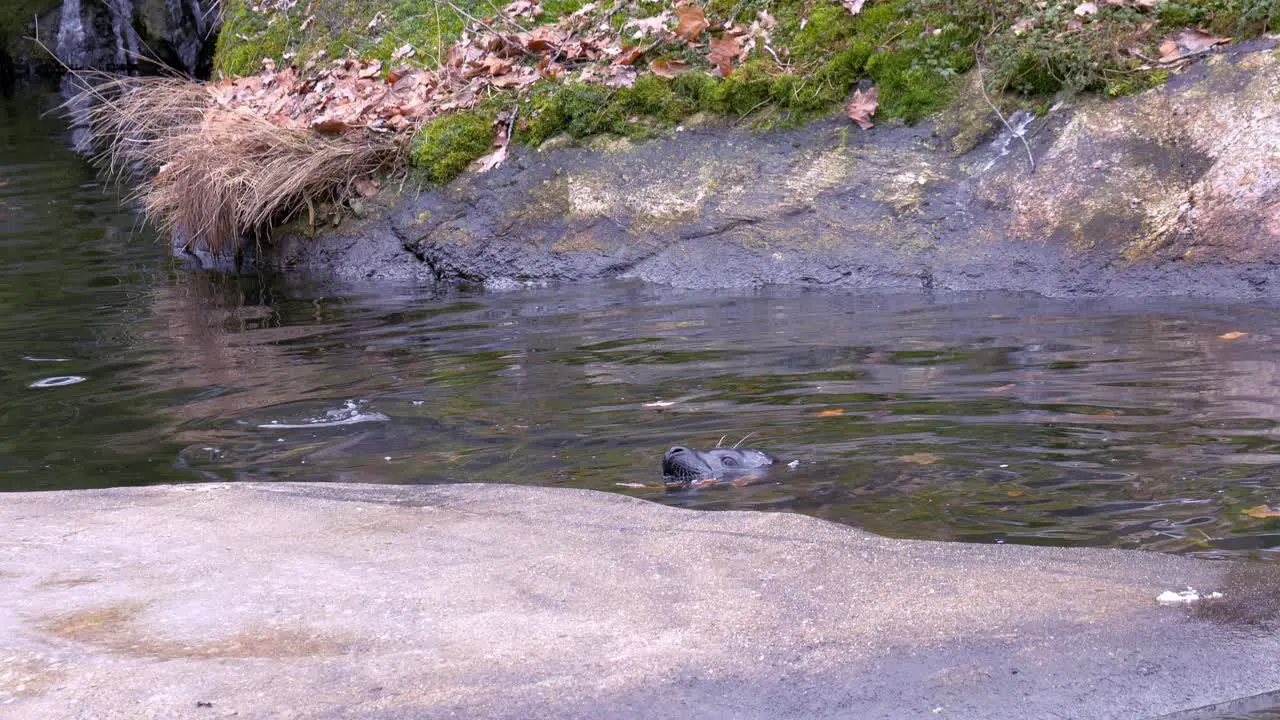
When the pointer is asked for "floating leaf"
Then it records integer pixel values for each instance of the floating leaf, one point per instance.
(831, 413)
(1262, 512)
(1234, 335)
(1000, 388)
(920, 458)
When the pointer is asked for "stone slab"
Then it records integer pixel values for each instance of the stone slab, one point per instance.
(336, 601)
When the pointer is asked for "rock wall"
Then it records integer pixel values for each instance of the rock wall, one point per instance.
(1176, 190)
(123, 35)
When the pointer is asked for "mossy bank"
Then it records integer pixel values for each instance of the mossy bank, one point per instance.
(1175, 190)
(917, 53)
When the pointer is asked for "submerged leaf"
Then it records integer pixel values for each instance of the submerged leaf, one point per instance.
(920, 458)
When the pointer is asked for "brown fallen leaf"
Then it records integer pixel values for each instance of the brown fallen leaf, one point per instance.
(630, 55)
(520, 7)
(619, 76)
(853, 6)
(1262, 512)
(366, 187)
(485, 163)
(1186, 43)
(1235, 335)
(1017, 493)
(643, 27)
(831, 413)
(669, 68)
(1000, 388)
(724, 50)
(692, 21)
(329, 125)
(862, 107)
(920, 458)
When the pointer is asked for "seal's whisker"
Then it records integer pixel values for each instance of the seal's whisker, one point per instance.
(744, 439)
(721, 440)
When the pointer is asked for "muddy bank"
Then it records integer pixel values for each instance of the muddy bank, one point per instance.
(1173, 191)
(506, 601)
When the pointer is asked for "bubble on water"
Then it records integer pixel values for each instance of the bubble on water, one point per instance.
(58, 381)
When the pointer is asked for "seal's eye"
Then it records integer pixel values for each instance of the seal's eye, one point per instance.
(728, 461)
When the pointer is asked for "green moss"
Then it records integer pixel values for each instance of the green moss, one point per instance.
(830, 26)
(247, 37)
(914, 51)
(1135, 83)
(444, 147)
(368, 29)
(746, 90)
(577, 109)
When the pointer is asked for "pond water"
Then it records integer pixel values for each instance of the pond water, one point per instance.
(991, 418)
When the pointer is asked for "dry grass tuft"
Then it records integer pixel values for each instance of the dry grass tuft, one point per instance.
(213, 174)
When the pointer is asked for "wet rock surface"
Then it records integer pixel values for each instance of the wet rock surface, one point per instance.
(1172, 191)
(297, 600)
(121, 36)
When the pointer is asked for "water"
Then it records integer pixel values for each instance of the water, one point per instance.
(981, 418)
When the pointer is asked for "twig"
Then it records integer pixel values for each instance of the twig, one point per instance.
(498, 13)
(982, 85)
(488, 27)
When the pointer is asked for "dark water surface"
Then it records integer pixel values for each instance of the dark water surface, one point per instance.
(980, 418)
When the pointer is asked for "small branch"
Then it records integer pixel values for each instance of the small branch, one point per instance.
(982, 85)
(488, 27)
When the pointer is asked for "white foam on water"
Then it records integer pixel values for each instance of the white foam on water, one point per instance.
(28, 358)
(348, 414)
(58, 381)
(1185, 597)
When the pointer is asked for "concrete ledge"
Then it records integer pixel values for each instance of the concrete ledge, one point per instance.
(332, 601)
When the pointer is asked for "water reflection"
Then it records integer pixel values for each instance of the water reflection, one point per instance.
(991, 419)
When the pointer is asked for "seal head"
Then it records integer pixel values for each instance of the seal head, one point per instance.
(683, 467)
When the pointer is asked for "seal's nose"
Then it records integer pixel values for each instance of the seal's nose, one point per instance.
(677, 450)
